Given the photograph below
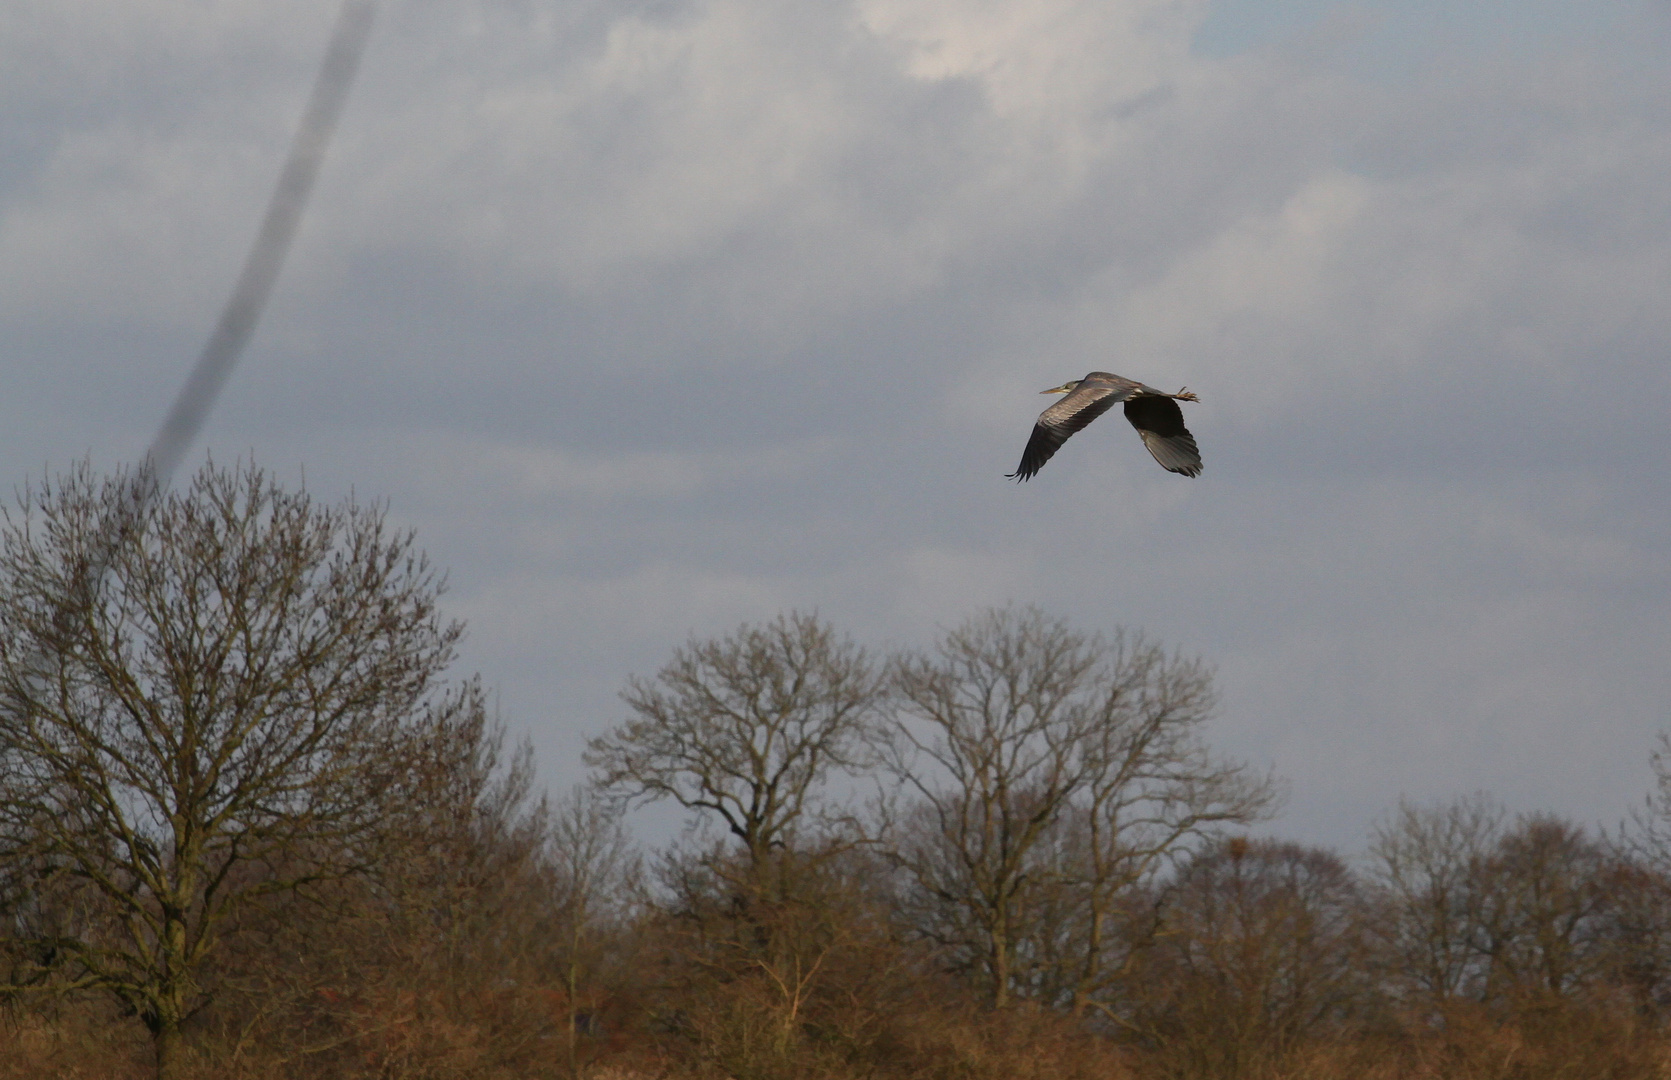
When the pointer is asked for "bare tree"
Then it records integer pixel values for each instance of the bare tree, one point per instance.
(450, 934)
(988, 735)
(1152, 786)
(748, 728)
(1642, 923)
(1637, 934)
(462, 856)
(1053, 771)
(1475, 906)
(749, 978)
(1650, 835)
(1263, 946)
(594, 869)
(1547, 895)
(191, 685)
(1426, 869)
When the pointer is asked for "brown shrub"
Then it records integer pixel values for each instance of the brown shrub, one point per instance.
(47, 1041)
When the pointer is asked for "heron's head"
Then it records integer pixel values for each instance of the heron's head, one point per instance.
(1065, 388)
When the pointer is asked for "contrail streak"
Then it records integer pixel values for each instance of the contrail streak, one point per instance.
(255, 284)
(237, 320)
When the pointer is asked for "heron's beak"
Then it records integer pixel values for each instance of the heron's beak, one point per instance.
(1064, 388)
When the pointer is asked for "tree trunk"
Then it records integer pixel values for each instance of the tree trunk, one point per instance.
(166, 1042)
(1001, 964)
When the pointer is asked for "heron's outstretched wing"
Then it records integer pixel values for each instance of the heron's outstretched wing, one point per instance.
(1085, 403)
(1161, 423)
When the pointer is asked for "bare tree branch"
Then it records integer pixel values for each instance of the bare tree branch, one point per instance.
(747, 728)
(228, 683)
(1053, 771)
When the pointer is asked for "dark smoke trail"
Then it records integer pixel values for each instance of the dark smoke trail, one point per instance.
(146, 483)
(266, 258)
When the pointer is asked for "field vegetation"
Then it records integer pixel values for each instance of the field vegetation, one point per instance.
(253, 825)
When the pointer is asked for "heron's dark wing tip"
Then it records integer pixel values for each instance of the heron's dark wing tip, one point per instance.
(1176, 454)
(1040, 446)
(1161, 424)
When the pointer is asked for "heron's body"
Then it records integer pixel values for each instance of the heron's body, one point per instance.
(1154, 413)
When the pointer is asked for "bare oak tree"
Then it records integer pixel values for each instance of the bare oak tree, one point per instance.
(1053, 771)
(203, 695)
(1476, 906)
(1264, 945)
(1545, 912)
(748, 728)
(1427, 865)
(594, 870)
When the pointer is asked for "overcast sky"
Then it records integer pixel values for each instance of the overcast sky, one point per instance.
(655, 316)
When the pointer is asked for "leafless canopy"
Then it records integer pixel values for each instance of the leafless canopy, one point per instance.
(193, 685)
(1477, 906)
(1263, 943)
(1427, 863)
(1053, 770)
(747, 727)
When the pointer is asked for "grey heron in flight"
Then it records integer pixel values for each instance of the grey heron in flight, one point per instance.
(1154, 413)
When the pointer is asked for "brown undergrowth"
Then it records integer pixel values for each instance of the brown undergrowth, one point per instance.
(510, 1035)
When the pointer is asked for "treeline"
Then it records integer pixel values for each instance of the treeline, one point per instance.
(248, 827)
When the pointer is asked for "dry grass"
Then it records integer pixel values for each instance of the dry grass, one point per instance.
(510, 1036)
(78, 1043)
(1550, 1043)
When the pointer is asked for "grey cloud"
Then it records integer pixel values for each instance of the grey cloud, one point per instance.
(653, 318)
